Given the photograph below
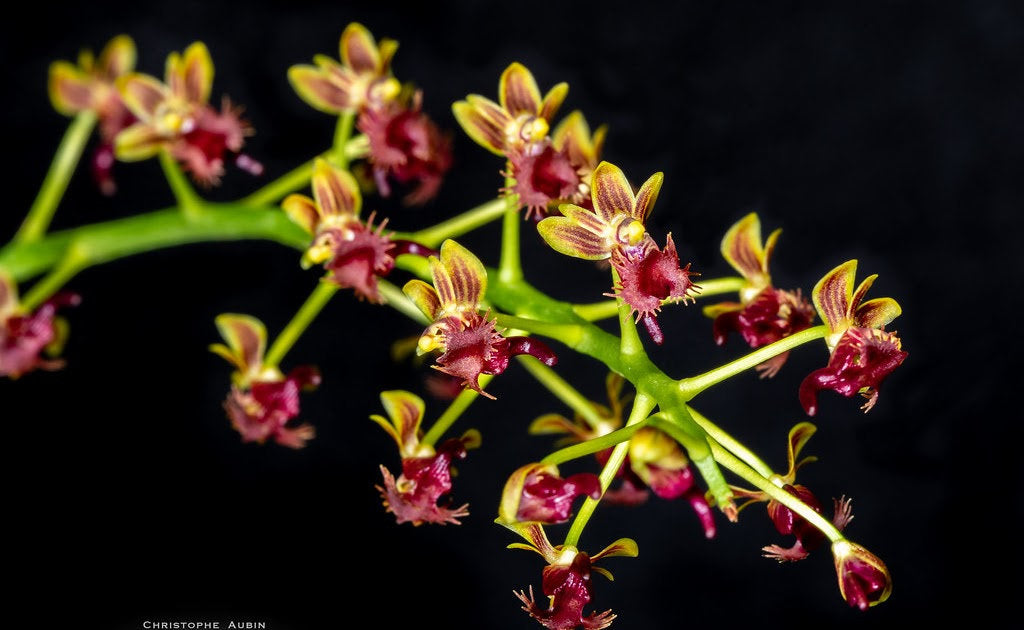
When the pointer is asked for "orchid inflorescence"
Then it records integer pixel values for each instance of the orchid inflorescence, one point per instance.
(646, 438)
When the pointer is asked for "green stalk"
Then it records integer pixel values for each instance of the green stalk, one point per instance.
(315, 303)
(692, 386)
(458, 225)
(452, 413)
(642, 407)
(341, 135)
(595, 445)
(103, 242)
(735, 446)
(190, 203)
(510, 269)
(630, 345)
(69, 152)
(563, 391)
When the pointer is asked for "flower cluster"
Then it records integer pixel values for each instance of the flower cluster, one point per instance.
(654, 462)
(426, 472)
(584, 208)
(764, 313)
(175, 116)
(263, 401)
(469, 342)
(406, 147)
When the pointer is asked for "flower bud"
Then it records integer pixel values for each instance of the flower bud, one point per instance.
(864, 580)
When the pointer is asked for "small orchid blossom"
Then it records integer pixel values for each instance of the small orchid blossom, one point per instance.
(520, 117)
(469, 342)
(263, 401)
(25, 337)
(426, 474)
(90, 85)
(536, 492)
(362, 79)
(615, 228)
(764, 313)
(353, 252)
(863, 353)
(175, 115)
(566, 580)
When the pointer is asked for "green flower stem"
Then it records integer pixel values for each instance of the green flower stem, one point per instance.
(452, 413)
(103, 242)
(315, 303)
(299, 177)
(69, 152)
(562, 390)
(630, 345)
(190, 203)
(679, 424)
(342, 133)
(735, 446)
(594, 445)
(609, 308)
(400, 302)
(74, 260)
(642, 407)
(281, 187)
(510, 269)
(751, 476)
(692, 386)
(458, 225)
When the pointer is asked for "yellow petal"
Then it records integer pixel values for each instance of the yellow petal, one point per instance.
(424, 297)
(553, 100)
(484, 122)
(70, 89)
(741, 247)
(246, 337)
(336, 191)
(194, 76)
(646, 196)
(359, 50)
(611, 192)
(466, 273)
(142, 94)
(877, 312)
(518, 92)
(621, 547)
(833, 293)
(798, 437)
(406, 412)
(118, 58)
(138, 142)
(302, 210)
(314, 86)
(8, 295)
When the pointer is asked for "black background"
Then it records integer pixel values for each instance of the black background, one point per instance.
(891, 132)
